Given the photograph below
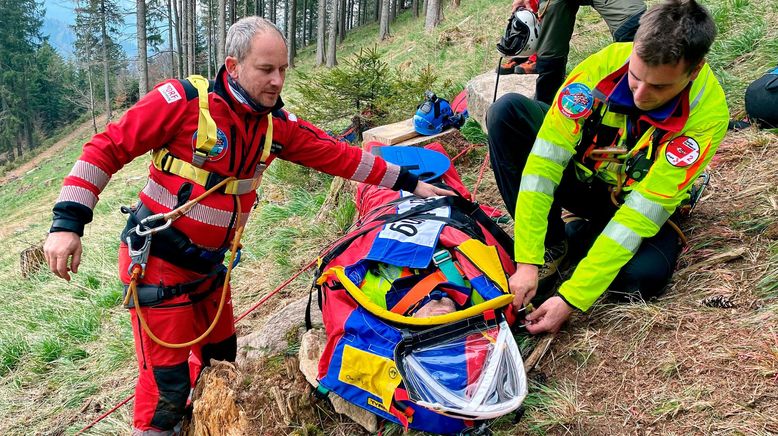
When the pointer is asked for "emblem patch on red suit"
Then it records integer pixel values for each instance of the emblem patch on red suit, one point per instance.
(682, 151)
(219, 149)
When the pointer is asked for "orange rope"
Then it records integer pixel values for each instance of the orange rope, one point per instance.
(468, 149)
(132, 292)
(480, 175)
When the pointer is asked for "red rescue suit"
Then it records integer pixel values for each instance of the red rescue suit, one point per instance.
(168, 117)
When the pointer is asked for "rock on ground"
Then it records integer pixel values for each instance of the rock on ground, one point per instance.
(480, 92)
(272, 338)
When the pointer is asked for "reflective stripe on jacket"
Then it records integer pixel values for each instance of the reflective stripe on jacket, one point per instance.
(700, 114)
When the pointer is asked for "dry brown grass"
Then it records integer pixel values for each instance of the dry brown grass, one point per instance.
(674, 366)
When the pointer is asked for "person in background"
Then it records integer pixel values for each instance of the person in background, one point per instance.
(557, 23)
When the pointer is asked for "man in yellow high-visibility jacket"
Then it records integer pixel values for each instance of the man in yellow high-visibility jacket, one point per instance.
(633, 124)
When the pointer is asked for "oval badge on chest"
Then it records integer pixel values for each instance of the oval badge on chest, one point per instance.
(575, 101)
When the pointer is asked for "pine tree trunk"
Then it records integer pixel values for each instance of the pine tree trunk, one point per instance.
(350, 17)
(333, 35)
(342, 21)
(383, 29)
(106, 83)
(179, 34)
(143, 65)
(92, 98)
(305, 23)
(222, 32)
(320, 25)
(415, 8)
(173, 69)
(209, 36)
(292, 36)
(192, 37)
(377, 11)
(183, 5)
(433, 15)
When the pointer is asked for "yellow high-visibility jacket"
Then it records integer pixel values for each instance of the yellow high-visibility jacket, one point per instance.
(681, 146)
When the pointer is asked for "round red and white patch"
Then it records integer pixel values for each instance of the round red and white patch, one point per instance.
(682, 151)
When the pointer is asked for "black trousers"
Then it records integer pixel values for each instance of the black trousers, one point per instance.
(513, 123)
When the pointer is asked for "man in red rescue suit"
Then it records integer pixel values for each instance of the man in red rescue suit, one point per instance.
(634, 125)
(184, 268)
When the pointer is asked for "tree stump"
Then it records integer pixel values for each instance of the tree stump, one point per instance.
(338, 188)
(31, 260)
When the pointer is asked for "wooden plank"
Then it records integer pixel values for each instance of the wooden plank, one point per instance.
(391, 134)
(422, 140)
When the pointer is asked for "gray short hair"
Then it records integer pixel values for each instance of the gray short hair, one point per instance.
(673, 31)
(241, 33)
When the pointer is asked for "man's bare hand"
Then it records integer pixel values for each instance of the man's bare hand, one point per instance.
(549, 317)
(523, 284)
(61, 247)
(424, 190)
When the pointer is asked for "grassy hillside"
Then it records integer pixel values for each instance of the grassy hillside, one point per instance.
(673, 366)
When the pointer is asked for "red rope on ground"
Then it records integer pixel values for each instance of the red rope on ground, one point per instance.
(480, 175)
(126, 400)
(468, 149)
(243, 315)
(276, 290)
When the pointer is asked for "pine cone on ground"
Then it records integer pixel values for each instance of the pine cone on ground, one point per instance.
(718, 301)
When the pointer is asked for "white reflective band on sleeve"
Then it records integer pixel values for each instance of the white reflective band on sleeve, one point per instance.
(390, 176)
(204, 214)
(702, 91)
(91, 173)
(533, 183)
(623, 236)
(550, 151)
(364, 167)
(650, 209)
(79, 195)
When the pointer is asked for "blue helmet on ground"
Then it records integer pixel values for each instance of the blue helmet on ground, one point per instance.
(434, 115)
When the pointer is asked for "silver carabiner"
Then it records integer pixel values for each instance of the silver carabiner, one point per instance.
(149, 230)
(139, 256)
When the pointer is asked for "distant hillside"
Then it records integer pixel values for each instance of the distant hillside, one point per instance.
(60, 16)
(61, 36)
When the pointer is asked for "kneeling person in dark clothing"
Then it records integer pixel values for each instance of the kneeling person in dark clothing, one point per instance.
(634, 124)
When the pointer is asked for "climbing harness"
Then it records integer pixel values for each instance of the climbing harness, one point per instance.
(145, 229)
(139, 257)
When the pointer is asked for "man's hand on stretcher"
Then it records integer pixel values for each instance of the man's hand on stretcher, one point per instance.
(551, 315)
(424, 190)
